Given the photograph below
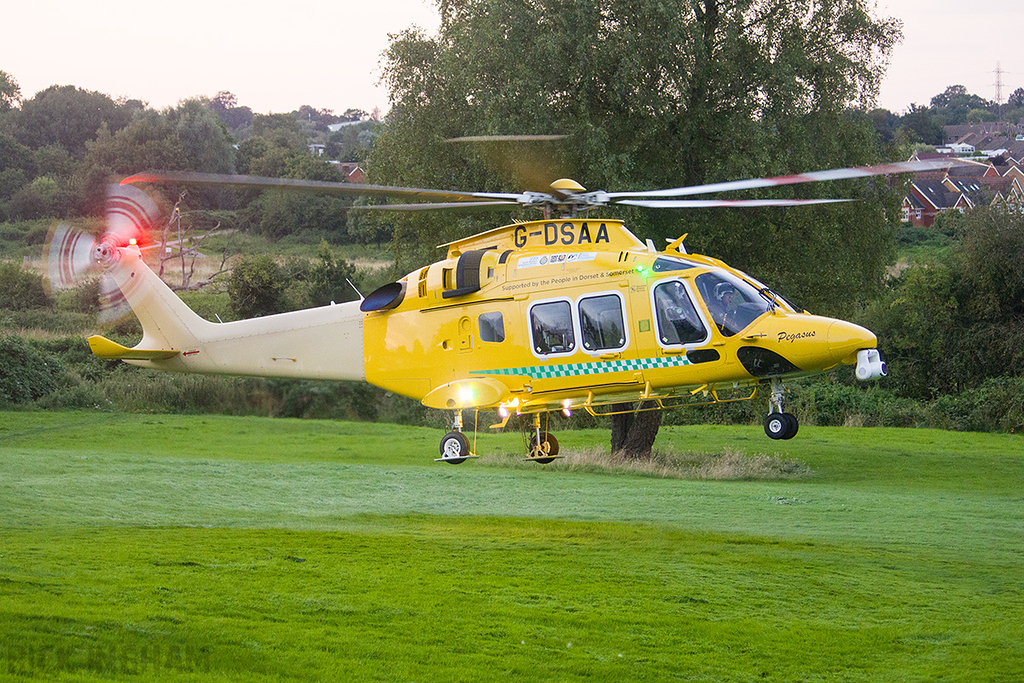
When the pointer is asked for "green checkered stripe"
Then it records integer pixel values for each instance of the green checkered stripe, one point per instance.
(597, 368)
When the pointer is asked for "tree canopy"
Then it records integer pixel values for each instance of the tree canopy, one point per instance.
(655, 94)
(10, 92)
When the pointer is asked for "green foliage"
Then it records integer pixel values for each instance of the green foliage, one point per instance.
(278, 214)
(328, 279)
(995, 406)
(948, 326)
(20, 289)
(26, 372)
(23, 238)
(257, 287)
(10, 91)
(656, 95)
(204, 140)
(187, 137)
(69, 116)
(225, 106)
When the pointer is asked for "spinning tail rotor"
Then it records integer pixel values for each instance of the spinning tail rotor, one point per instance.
(74, 257)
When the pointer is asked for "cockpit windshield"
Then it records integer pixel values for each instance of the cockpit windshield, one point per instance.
(733, 302)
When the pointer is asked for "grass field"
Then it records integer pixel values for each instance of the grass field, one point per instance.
(214, 548)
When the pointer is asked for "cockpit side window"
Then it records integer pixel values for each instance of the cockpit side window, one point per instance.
(678, 322)
(734, 303)
(551, 329)
(601, 324)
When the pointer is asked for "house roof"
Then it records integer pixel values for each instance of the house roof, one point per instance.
(968, 171)
(934, 193)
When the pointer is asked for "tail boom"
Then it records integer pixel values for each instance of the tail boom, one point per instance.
(316, 343)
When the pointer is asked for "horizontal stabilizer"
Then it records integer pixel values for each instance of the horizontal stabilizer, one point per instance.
(104, 348)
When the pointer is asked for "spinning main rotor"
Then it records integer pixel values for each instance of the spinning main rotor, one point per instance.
(566, 197)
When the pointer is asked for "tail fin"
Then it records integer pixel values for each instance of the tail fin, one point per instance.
(168, 325)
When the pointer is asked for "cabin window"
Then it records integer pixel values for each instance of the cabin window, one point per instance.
(492, 327)
(551, 329)
(601, 323)
(678, 322)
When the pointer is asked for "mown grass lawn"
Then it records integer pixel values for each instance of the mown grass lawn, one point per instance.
(214, 548)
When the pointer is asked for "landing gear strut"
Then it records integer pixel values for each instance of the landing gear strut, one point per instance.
(779, 424)
(454, 445)
(542, 447)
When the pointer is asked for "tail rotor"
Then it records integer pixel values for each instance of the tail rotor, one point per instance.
(74, 257)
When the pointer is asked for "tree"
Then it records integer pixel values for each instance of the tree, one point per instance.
(354, 115)
(948, 95)
(329, 279)
(950, 325)
(225, 105)
(69, 117)
(655, 94)
(10, 92)
(1016, 98)
(17, 166)
(202, 137)
(257, 287)
(919, 125)
(148, 142)
(955, 106)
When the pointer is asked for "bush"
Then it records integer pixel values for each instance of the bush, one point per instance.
(257, 287)
(996, 406)
(21, 290)
(26, 372)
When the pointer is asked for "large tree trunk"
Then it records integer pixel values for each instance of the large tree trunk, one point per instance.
(634, 430)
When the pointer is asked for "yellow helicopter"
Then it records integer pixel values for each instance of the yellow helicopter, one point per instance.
(559, 314)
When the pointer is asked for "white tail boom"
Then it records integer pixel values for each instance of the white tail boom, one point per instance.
(317, 343)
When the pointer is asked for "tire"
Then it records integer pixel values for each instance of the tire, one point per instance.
(777, 425)
(794, 425)
(546, 451)
(454, 448)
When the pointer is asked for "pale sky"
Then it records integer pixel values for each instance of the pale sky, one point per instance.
(278, 56)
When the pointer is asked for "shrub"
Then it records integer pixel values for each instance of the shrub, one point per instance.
(26, 372)
(257, 287)
(21, 290)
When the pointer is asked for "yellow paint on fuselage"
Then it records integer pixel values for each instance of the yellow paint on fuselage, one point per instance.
(429, 341)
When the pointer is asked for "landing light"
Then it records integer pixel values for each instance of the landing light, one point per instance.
(567, 408)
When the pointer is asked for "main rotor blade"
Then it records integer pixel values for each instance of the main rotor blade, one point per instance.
(431, 206)
(344, 189)
(710, 203)
(816, 176)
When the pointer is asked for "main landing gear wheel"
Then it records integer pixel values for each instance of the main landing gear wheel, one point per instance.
(781, 425)
(543, 450)
(454, 448)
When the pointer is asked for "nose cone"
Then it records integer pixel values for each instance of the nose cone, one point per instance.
(846, 339)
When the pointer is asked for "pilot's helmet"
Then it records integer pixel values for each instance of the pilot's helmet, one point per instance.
(723, 288)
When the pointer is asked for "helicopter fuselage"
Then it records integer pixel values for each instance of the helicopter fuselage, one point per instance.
(579, 313)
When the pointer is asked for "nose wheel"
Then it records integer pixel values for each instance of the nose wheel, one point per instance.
(779, 424)
(454, 445)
